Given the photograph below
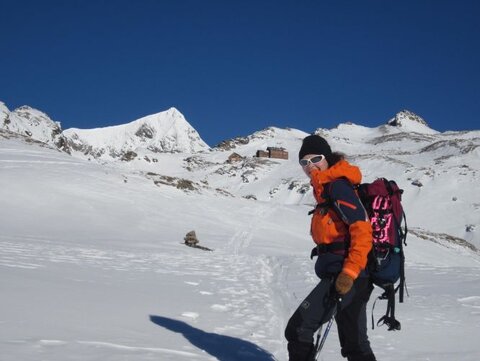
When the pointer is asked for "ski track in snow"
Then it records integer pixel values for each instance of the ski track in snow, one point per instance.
(243, 237)
(132, 348)
(253, 296)
(109, 345)
(94, 350)
(239, 285)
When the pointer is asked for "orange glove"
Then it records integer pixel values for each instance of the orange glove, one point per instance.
(344, 283)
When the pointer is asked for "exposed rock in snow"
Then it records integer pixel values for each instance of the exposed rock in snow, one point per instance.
(442, 238)
(232, 143)
(463, 146)
(196, 162)
(399, 137)
(417, 183)
(180, 183)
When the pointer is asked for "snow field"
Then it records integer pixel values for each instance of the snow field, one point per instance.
(93, 269)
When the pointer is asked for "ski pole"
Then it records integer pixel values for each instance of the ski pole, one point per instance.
(319, 346)
(325, 334)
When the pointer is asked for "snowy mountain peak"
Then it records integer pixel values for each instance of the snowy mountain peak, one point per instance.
(35, 117)
(163, 120)
(162, 132)
(409, 121)
(174, 112)
(33, 123)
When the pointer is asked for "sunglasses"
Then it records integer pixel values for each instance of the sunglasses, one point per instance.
(313, 160)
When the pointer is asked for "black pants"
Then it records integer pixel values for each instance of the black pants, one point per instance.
(317, 309)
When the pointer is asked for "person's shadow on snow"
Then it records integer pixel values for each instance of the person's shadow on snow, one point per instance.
(224, 348)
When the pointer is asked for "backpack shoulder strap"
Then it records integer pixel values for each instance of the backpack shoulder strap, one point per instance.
(327, 195)
(346, 201)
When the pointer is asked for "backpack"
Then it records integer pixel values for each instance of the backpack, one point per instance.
(386, 264)
(386, 261)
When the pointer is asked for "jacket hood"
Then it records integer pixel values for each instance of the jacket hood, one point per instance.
(342, 169)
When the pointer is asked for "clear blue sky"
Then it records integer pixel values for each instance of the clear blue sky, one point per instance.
(234, 67)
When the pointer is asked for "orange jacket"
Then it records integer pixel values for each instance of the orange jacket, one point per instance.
(346, 218)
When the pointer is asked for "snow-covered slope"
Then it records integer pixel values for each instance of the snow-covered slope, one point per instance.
(436, 170)
(158, 133)
(93, 268)
(93, 265)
